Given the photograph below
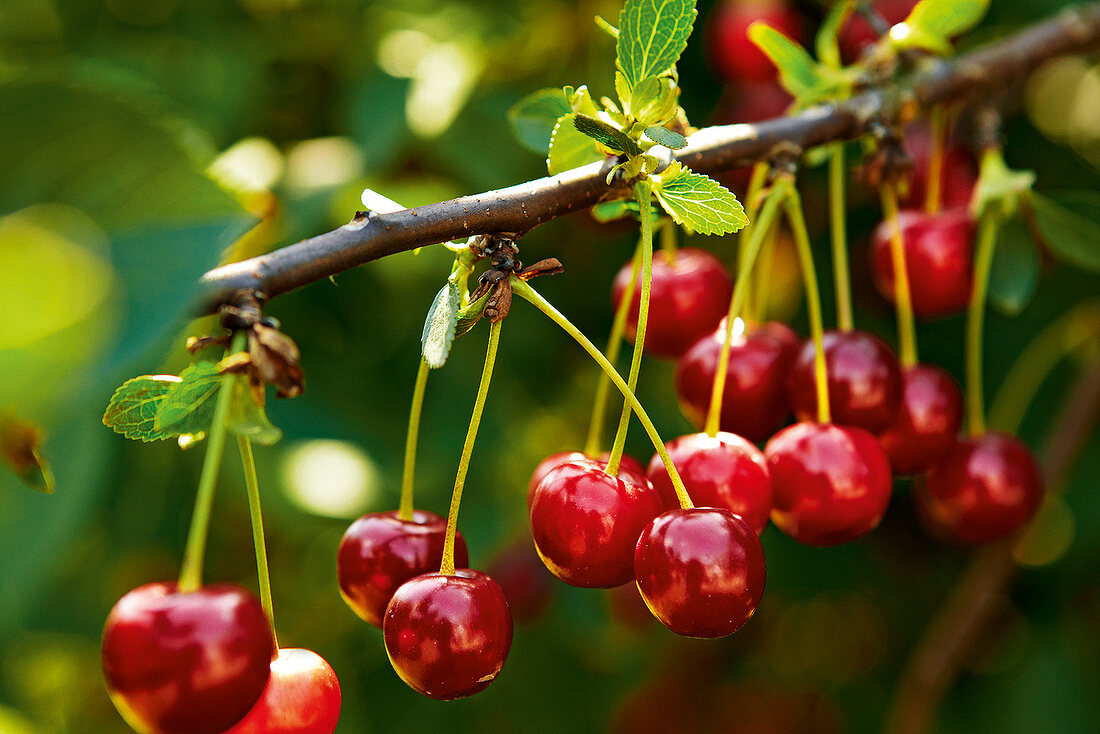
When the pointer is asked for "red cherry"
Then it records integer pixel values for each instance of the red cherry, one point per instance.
(985, 488)
(928, 420)
(688, 296)
(585, 522)
(526, 583)
(627, 462)
(732, 56)
(830, 484)
(302, 697)
(700, 571)
(938, 260)
(755, 397)
(723, 471)
(380, 551)
(856, 34)
(864, 380)
(448, 636)
(958, 174)
(186, 662)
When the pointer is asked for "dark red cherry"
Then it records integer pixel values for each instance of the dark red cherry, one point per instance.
(186, 662)
(627, 462)
(585, 522)
(864, 380)
(700, 571)
(983, 489)
(857, 34)
(302, 697)
(958, 172)
(732, 56)
(723, 471)
(688, 296)
(755, 397)
(928, 420)
(380, 551)
(526, 583)
(938, 258)
(830, 484)
(448, 636)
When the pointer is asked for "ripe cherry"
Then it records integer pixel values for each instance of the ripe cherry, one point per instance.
(585, 522)
(380, 551)
(543, 468)
(732, 56)
(938, 259)
(958, 172)
(448, 636)
(302, 697)
(983, 489)
(928, 420)
(864, 380)
(526, 583)
(186, 662)
(700, 571)
(755, 398)
(688, 296)
(830, 484)
(723, 471)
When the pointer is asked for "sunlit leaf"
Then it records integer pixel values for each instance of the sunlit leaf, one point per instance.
(606, 135)
(247, 418)
(132, 410)
(569, 148)
(188, 406)
(825, 42)
(652, 35)
(945, 18)
(664, 136)
(439, 326)
(533, 118)
(469, 315)
(699, 202)
(798, 72)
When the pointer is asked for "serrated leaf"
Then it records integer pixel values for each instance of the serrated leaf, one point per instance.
(826, 45)
(652, 35)
(247, 418)
(439, 326)
(699, 202)
(664, 136)
(606, 135)
(1015, 269)
(132, 410)
(21, 452)
(569, 148)
(798, 73)
(533, 117)
(470, 314)
(188, 406)
(943, 19)
(1071, 227)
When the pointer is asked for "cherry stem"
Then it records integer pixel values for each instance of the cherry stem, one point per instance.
(838, 228)
(447, 567)
(405, 509)
(760, 228)
(525, 291)
(642, 192)
(252, 482)
(190, 578)
(757, 180)
(935, 161)
(797, 222)
(983, 260)
(669, 244)
(762, 271)
(903, 298)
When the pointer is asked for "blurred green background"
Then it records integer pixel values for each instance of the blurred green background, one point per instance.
(139, 140)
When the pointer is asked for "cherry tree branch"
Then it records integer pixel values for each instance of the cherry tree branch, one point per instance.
(518, 209)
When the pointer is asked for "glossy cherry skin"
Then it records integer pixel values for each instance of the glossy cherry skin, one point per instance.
(984, 489)
(864, 380)
(626, 462)
(585, 522)
(526, 583)
(732, 56)
(723, 471)
(448, 636)
(302, 697)
(186, 662)
(755, 398)
(830, 484)
(700, 571)
(928, 420)
(688, 296)
(958, 172)
(938, 259)
(380, 551)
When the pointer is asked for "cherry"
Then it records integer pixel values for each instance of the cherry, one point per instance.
(527, 585)
(857, 34)
(688, 296)
(700, 571)
(755, 397)
(958, 174)
(186, 662)
(585, 522)
(732, 56)
(302, 697)
(543, 468)
(448, 636)
(864, 380)
(380, 551)
(723, 471)
(984, 488)
(928, 420)
(938, 260)
(830, 484)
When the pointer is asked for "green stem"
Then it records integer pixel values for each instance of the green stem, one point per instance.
(838, 229)
(190, 578)
(668, 239)
(753, 204)
(525, 291)
(903, 299)
(405, 509)
(762, 271)
(252, 482)
(983, 260)
(447, 567)
(797, 222)
(935, 160)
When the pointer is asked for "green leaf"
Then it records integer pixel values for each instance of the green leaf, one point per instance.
(606, 135)
(132, 410)
(798, 73)
(533, 117)
(943, 19)
(1000, 186)
(468, 316)
(247, 418)
(699, 202)
(188, 406)
(569, 148)
(1015, 270)
(1071, 226)
(652, 35)
(826, 45)
(664, 136)
(439, 326)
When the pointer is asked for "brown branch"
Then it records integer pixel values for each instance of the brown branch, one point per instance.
(518, 209)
